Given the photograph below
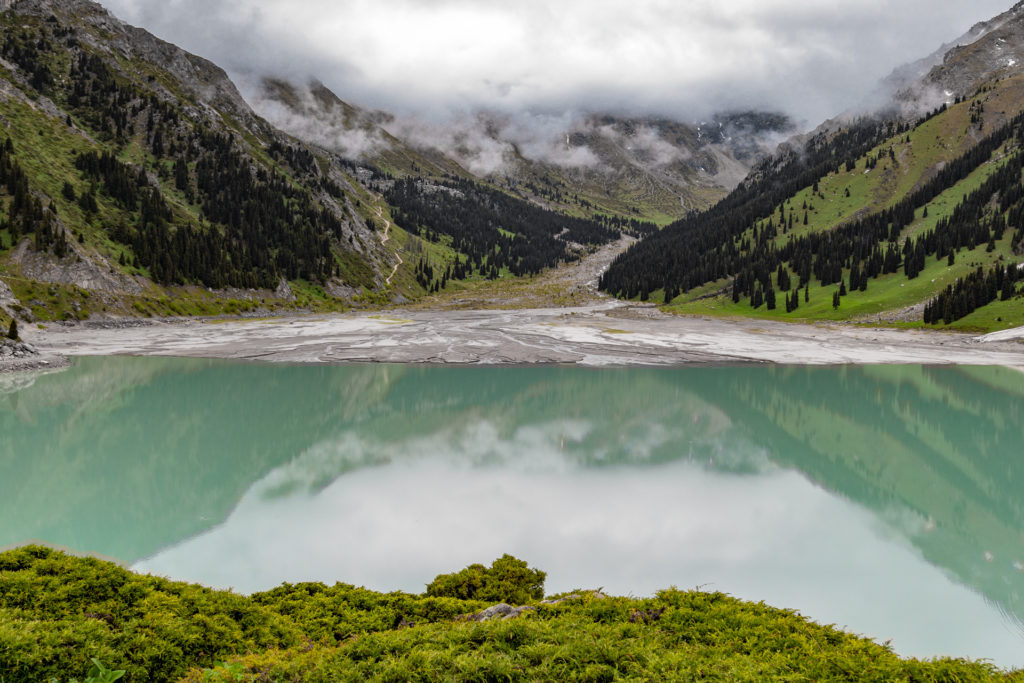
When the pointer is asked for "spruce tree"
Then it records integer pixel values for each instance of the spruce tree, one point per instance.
(12, 330)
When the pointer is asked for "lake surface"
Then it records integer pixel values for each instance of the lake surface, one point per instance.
(888, 500)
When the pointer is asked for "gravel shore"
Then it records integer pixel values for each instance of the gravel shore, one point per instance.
(603, 334)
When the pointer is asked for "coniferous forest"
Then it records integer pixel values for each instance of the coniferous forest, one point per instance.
(315, 442)
(745, 241)
(495, 231)
(185, 197)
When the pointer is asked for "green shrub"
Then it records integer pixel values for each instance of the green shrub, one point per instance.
(61, 616)
(58, 612)
(334, 614)
(677, 636)
(508, 580)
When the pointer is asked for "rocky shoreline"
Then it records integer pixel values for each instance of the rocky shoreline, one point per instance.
(17, 356)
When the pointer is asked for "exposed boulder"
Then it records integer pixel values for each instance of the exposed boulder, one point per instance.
(500, 611)
(505, 611)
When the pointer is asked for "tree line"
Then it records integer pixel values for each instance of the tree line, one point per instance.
(680, 256)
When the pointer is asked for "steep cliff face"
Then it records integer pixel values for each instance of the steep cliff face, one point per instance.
(133, 166)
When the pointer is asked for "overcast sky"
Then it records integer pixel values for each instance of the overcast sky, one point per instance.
(683, 58)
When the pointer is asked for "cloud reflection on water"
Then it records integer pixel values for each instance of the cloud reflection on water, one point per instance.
(402, 511)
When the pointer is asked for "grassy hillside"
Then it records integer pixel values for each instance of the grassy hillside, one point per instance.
(135, 180)
(892, 182)
(57, 613)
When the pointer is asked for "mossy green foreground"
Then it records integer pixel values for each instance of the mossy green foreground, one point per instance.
(58, 612)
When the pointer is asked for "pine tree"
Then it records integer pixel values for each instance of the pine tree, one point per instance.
(12, 331)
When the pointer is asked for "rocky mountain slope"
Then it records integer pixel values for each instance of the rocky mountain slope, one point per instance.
(989, 50)
(135, 178)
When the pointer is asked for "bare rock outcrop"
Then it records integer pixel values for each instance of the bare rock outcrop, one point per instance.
(7, 298)
(284, 291)
(500, 611)
(86, 270)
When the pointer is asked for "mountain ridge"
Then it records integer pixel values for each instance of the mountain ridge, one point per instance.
(154, 183)
(100, 82)
(652, 168)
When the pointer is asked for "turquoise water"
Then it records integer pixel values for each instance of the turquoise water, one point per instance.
(886, 500)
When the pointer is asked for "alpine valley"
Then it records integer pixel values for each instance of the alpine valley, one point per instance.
(136, 181)
(297, 269)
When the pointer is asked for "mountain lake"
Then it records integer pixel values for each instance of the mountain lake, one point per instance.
(886, 500)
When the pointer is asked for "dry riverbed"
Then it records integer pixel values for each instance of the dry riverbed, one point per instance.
(604, 333)
(557, 317)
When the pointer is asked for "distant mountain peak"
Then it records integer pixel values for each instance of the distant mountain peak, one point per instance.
(989, 50)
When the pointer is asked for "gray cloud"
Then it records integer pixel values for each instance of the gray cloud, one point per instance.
(314, 120)
(808, 58)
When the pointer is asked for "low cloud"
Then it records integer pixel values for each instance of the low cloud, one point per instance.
(683, 60)
(324, 126)
(496, 143)
(491, 144)
(467, 139)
